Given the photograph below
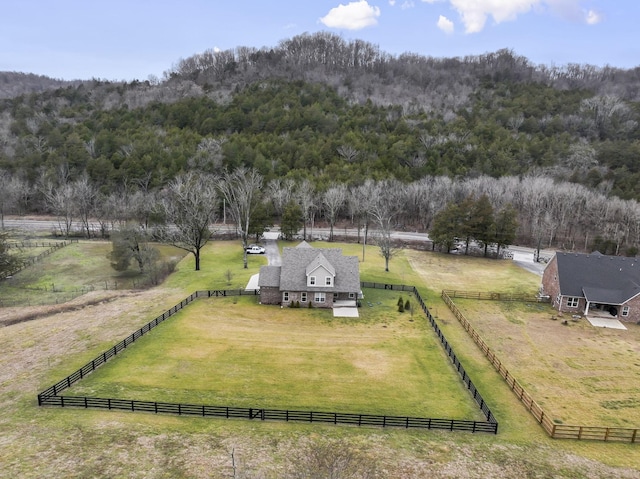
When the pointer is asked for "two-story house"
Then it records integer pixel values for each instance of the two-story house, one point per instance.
(320, 277)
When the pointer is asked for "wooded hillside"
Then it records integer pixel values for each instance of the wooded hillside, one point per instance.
(321, 109)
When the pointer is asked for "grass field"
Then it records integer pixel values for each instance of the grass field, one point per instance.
(235, 352)
(74, 270)
(44, 442)
(580, 374)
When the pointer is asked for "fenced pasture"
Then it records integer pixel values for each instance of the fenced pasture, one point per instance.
(63, 270)
(31, 253)
(231, 352)
(578, 381)
(454, 272)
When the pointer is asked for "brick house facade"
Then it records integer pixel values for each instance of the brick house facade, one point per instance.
(594, 284)
(310, 276)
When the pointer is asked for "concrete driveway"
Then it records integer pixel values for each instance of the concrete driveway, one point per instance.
(523, 257)
(272, 252)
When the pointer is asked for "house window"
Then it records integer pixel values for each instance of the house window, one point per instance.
(319, 298)
(352, 295)
(303, 297)
(335, 296)
(625, 311)
(285, 297)
(572, 302)
(328, 281)
(312, 280)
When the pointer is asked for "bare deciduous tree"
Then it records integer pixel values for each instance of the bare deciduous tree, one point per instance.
(190, 206)
(11, 189)
(280, 192)
(387, 201)
(348, 153)
(306, 196)
(85, 196)
(60, 200)
(240, 190)
(333, 200)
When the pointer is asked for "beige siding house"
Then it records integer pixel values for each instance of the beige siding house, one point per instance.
(323, 278)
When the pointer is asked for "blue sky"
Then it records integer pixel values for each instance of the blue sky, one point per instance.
(132, 39)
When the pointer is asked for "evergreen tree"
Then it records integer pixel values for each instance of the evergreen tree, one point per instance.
(481, 220)
(446, 227)
(291, 220)
(505, 227)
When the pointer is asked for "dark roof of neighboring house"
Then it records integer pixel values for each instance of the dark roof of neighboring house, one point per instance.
(598, 278)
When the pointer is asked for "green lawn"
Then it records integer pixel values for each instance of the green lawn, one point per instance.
(74, 270)
(43, 442)
(234, 352)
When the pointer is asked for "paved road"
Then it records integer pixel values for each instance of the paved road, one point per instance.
(522, 256)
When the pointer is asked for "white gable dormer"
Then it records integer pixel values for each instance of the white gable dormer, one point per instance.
(320, 273)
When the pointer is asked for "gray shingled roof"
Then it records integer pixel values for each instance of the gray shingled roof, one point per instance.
(318, 261)
(294, 265)
(599, 278)
(269, 276)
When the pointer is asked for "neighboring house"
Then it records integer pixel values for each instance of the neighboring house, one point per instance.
(320, 277)
(594, 285)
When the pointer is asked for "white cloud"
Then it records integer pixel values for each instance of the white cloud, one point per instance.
(407, 4)
(353, 16)
(445, 24)
(474, 13)
(592, 17)
(392, 2)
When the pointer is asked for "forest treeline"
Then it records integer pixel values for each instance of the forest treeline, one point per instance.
(320, 110)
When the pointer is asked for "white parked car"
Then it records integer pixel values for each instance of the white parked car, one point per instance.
(255, 249)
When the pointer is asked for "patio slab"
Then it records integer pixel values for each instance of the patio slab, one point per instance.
(606, 323)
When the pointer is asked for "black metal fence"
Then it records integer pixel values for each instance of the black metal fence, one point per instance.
(52, 247)
(268, 414)
(51, 396)
(456, 362)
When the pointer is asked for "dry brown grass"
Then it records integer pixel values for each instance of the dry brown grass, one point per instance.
(578, 373)
(446, 271)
